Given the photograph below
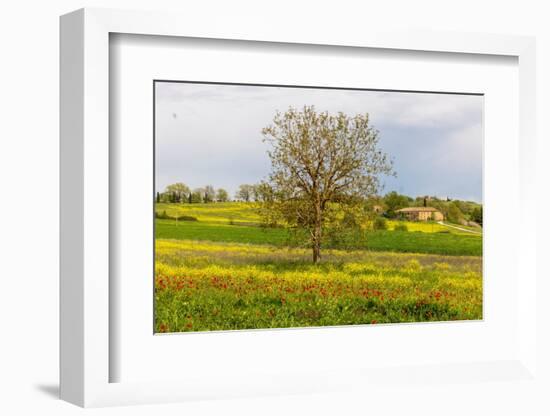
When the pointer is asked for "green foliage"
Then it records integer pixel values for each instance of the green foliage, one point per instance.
(187, 218)
(394, 202)
(477, 215)
(401, 227)
(263, 192)
(455, 211)
(164, 216)
(454, 214)
(209, 194)
(177, 192)
(464, 208)
(348, 228)
(245, 192)
(222, 195)
(197, 196)
(380, 223)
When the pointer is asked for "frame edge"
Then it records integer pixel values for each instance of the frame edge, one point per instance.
(71, 201)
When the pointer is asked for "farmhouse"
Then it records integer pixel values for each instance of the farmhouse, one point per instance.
(421, 214)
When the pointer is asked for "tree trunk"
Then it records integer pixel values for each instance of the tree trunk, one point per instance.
(317, 241)
(316, 252)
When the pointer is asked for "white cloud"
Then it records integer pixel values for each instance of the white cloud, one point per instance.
(211, 133)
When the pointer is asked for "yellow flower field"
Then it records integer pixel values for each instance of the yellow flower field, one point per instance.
(204, 285)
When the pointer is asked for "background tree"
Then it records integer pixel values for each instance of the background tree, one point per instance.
(321, 164)
(477, 215)
(259, 191)
(441, 205)
(222, 195)
(454, 214)
(245, 192)
(209, 194)
(263, 192)
(394, 202)
(463, 206)
(376, 204)
(197, 196)
(179, 191)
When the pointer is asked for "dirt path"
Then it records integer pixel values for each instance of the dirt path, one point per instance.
(459, 228)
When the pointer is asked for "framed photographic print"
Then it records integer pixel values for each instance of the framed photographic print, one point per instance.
(274, 213)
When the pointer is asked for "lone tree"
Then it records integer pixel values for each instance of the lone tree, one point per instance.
(321, 165)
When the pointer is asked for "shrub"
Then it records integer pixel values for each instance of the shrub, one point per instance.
(380, 223)
(401, 227)
(165, 216)
(162, 216)
(187, 218)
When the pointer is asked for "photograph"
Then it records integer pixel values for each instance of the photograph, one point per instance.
(283, 206)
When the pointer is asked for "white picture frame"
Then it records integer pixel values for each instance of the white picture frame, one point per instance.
(85, 214)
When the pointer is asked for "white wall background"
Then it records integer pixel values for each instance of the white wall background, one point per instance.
(29, 189)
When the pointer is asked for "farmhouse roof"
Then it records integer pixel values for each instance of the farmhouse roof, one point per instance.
(418, 209)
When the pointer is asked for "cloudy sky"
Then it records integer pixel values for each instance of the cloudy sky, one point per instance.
(211, 135)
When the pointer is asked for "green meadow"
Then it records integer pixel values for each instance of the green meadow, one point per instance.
(238, 223)
(218, 269)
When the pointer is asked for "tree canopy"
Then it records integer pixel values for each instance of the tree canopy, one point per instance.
(222, 195)
(322, 165)
(179, 191)
(394, 202)
(245, 192)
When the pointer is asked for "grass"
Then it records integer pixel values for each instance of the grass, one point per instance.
(383, 240)
(206, 286)
(245, 213)
(432, 227)
(219, 212)
(222, 271)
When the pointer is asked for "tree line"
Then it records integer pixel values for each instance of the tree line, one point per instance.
(456, 211)
(180, 193)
